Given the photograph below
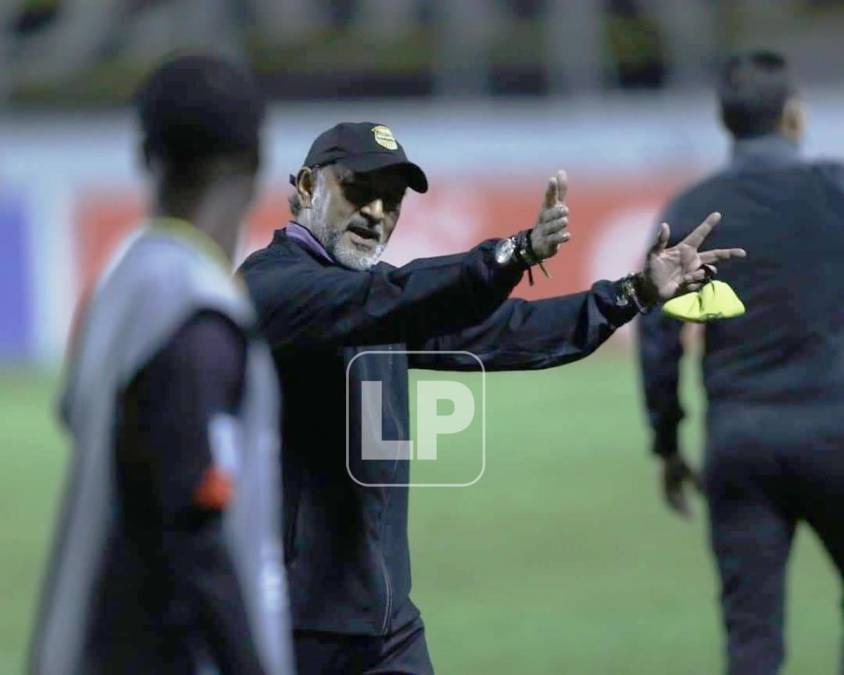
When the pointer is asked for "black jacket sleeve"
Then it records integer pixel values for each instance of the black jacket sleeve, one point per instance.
(660, 352)
(303, 304)
(523, 335)
(165, 461)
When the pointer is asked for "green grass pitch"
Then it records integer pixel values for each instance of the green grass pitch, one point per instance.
(561, 560)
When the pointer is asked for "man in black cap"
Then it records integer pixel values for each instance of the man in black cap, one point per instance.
(167, 558)
(323, 298)
(774, 377)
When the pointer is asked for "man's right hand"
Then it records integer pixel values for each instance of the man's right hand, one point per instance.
(677, 475)
(550, 229)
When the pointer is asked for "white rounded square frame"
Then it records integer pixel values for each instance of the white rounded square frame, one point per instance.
(482, 371)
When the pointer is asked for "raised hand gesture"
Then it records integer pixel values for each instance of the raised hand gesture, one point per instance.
(683, 268)
(553, 219)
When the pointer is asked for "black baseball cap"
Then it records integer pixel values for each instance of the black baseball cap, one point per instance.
(364, 146)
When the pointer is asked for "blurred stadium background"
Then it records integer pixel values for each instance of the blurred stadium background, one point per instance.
(561, 560)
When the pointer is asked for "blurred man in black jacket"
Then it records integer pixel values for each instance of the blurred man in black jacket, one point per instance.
(774, 377)
(323, 298)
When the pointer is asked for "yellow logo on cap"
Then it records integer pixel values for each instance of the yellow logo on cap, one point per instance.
(384, 137)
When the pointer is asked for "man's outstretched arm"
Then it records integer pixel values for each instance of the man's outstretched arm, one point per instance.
(302, 305)
(530, 335)
(305, 305)
(524, 335)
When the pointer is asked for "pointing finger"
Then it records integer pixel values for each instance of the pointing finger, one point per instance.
(722, 254)
(701, 232)
(661, 238)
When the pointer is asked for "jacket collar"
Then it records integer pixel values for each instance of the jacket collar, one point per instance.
(771, 149)
(306, 239)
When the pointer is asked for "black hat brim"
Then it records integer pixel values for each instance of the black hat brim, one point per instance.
(416, 178)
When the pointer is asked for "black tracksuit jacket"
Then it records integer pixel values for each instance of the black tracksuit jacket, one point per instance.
(347, 551)
(788, 213)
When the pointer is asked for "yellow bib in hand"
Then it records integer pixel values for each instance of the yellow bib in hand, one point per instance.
(714, 301)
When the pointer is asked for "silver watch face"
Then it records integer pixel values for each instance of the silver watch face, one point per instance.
(504, 251)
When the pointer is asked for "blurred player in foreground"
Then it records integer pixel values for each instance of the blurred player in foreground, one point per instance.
(323, 298)
(167, 558)
(774, 378)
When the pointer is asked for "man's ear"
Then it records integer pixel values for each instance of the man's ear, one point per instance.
(305, 184)
(793, 122)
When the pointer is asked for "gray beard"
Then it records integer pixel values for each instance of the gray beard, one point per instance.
(347, 256)
(345, 253)
(342, 252)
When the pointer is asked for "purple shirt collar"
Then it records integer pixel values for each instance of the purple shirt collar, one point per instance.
(305, 237)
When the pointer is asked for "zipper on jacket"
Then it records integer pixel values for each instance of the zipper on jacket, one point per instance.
(389, 587)
(385, 509)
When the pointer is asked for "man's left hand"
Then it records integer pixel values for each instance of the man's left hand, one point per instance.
(677, 476)
(682, 268)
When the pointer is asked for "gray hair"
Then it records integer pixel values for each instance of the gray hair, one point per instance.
(295, 203)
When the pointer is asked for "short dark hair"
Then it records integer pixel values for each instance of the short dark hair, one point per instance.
(753, 89)
(196, 107)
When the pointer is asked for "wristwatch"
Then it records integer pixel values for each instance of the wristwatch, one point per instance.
(519, 248)
(505, 250)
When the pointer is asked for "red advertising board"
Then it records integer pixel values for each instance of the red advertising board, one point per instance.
(610, 223)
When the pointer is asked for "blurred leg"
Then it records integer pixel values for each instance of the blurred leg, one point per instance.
(751, 533)
(819, 472)
(831, 534)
